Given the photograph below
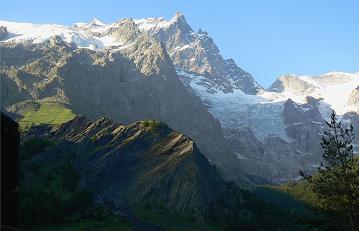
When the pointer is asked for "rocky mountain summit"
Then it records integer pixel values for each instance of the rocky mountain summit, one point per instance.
(195, 52)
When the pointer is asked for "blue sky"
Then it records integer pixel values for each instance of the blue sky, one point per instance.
(265, 38)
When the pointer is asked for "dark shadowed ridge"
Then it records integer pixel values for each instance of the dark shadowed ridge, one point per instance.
(142, 163)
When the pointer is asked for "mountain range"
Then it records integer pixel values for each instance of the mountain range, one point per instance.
(159, 69)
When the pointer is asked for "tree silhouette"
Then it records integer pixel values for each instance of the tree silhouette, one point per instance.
(337, 182)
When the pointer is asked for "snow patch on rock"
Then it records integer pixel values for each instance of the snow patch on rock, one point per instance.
(79, 34)
(237, 109)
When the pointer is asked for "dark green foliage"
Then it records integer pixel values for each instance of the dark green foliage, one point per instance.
(282, 199)
(38, 206)
(267, 216)
(323, 220)
(48, 194)
(155, 126)
(337, 182)
(42, 201)
(80, 199)
(243, 210)
(70, 177)
(34, 146)
(97, 213)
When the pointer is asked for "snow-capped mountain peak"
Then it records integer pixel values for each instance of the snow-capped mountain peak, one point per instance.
(157, 24)
(178, 16)
(196, 53)
(190, 51)
(96, 22)
(333, 88)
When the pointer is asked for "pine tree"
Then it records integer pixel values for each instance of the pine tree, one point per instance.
(337, 182)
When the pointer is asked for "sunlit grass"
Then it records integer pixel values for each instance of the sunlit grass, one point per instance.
(48, 113)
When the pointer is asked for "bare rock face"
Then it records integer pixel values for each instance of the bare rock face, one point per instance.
(3, 33)
(291, 82)
(241, 79)
(270, 161)
(195, 52)
(276, 159)
(353, 119)
(354, 97)
(304, 125)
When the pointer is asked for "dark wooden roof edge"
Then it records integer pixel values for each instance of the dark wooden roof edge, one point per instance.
(7, 117)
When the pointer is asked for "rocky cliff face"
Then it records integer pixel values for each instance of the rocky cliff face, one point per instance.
(195, 52)
(291, 83)
(304, 124)
(353, 99)
(3, 32)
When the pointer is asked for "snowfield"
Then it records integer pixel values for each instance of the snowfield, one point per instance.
(238, 109)
(81, 34)
(333, 88)
(263, 112)
(90, 35)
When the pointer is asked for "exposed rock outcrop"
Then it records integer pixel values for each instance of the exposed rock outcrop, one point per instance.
(195, 52)
(3, 33)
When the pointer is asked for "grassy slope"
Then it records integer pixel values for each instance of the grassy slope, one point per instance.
(297, 197)
(294, 196)
(47, 113)
(298, 190)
